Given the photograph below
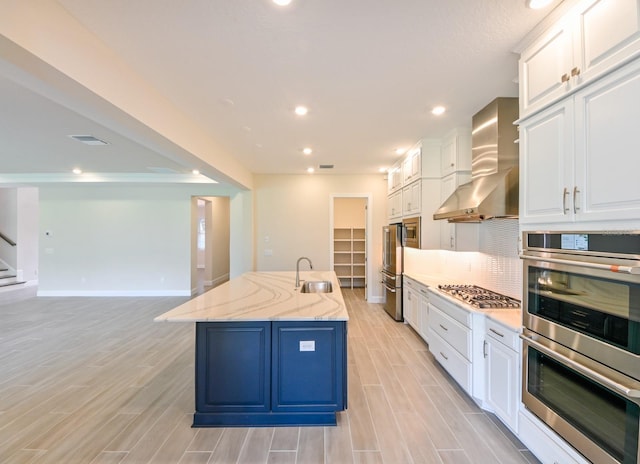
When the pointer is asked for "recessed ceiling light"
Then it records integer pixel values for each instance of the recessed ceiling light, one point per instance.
(400, 151)
(537, 4)
(382, 169)
(310, 170)
(307, 151)
(77, 171)
(282, 2)
(195, 172)
(438, 110)
(301, 110)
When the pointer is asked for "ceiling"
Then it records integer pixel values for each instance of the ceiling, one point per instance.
(368, 70)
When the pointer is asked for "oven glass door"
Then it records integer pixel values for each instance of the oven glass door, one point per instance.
(605, 418)
(598, 304)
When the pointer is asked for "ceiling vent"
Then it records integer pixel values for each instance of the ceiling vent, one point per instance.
(88, 140)
(325, 166)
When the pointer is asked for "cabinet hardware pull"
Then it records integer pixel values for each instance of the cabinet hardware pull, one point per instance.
(565, 193)
(444, 356)
(575, 72)
(575, 197)
(565, 78)
(443, 328)
(496, 332)
(484, 348)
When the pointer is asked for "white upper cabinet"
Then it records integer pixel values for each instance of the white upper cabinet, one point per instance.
(455, 153)
(595, 37)
(394, 177)
(411, 196)
(412, 166)
(394, 207)
(579, 158)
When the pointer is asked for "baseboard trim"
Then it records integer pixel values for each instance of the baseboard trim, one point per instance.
(111, 293)
(219, 280)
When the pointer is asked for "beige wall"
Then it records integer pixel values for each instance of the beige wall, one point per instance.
(349, 212)
(217, 251)
(292, 219)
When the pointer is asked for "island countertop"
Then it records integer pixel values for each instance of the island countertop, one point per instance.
(263, 296)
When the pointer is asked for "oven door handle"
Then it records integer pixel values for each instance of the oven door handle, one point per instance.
(624, 390)
(621, 269)
(392, 290)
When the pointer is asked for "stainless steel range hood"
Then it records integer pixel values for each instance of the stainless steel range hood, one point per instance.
(493, 190)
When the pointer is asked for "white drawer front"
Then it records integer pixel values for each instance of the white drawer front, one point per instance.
(455, 312)
(502, 334)
(454, 333)
(451, 360)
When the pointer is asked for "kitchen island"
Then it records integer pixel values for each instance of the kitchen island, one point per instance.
(267, 354)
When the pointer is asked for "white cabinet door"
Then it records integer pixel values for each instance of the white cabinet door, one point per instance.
(411, 196)
(608, 34)
(545, 68)
(546, 165)
(394, 178)
(447, 230)
(607, 183)
(423, 311)
(412, 166)
(394, 206)
(503, 383)
(411, 302)
(594, 38)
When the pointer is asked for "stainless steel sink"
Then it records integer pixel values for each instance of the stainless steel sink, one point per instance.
(316, 286)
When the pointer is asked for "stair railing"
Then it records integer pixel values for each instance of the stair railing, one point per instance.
(7, 239)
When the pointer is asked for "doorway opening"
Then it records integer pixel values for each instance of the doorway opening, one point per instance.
(349, 241)
(210, 247)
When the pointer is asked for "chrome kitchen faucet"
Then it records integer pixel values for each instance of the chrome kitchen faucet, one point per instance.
(298, 269)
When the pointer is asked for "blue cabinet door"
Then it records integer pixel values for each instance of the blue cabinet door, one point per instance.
(308, 366)
(233, 366)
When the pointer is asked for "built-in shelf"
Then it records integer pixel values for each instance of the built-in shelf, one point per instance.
(349, 257)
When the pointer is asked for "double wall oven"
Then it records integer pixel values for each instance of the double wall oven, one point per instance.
(581, 351)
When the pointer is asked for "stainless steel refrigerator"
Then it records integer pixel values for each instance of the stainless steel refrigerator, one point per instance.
(392, 257)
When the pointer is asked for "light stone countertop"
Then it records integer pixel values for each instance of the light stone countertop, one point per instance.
(510, 318)
(263, 296)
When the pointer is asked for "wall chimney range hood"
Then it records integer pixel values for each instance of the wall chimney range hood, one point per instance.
(493, 190)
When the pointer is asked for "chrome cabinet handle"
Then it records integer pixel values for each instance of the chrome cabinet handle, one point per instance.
(497, 333)
(565, 193)
(443, 328)
(484, 348)
(575, 200)
(444, 356)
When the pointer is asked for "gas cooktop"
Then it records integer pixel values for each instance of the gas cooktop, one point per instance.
(479, 297)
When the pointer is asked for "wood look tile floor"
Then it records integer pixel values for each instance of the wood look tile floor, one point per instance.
(95, 380)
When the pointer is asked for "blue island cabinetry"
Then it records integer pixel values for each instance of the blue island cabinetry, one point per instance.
(270, 373)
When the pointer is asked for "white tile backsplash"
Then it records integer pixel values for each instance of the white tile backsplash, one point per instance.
(496, 266)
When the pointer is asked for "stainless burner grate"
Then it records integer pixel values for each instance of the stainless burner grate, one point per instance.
(479, 297)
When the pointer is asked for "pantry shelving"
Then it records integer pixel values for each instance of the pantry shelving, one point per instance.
(349, 257)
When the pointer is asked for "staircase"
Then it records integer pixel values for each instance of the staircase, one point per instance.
(8, 278)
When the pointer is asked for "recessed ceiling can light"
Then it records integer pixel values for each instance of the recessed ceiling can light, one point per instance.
(282, 2)
(382, 169)
(310, 170)
(400, 151)
(77, 171)
(438, 110)
(301, 110)
(307, 151)
(195, 172)
(537, 4)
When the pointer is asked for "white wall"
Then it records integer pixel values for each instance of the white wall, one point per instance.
(27, 243)
(9, 225)
(117, 239)
(292, 219)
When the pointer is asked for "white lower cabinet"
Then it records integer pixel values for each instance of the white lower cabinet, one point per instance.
(416, 306)
(502, 364)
